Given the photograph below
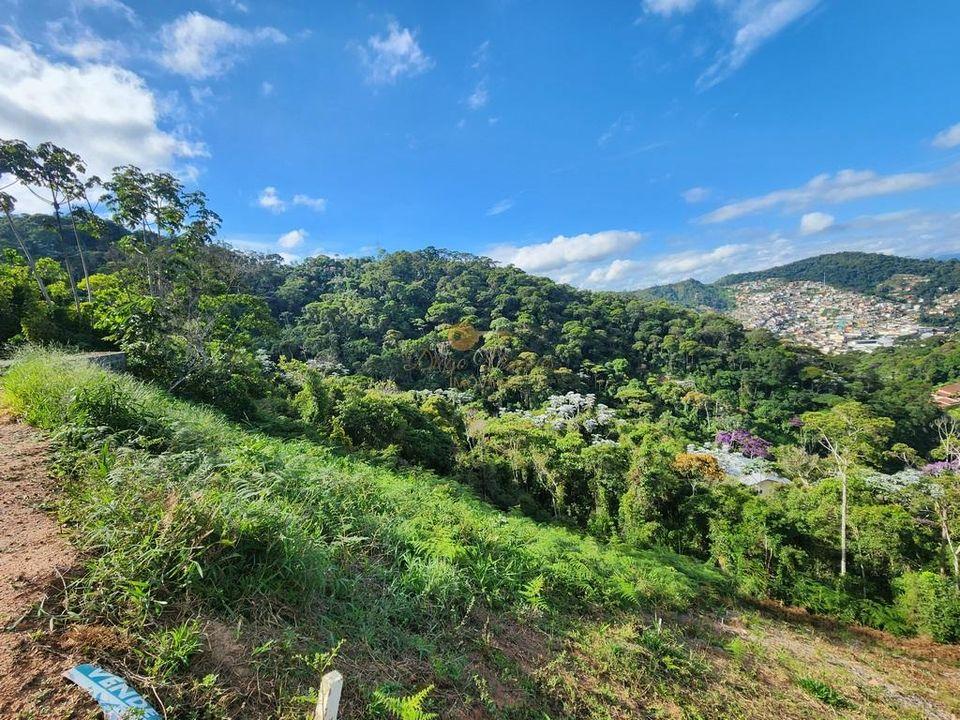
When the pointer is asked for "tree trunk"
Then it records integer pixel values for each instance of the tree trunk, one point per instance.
(954, 551)
(83, 259)
(63, 249)
(843, 525)
(30, 261)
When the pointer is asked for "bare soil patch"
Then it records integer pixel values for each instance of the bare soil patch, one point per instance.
(34, 558)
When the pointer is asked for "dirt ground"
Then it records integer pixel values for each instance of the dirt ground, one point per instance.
(34, 557)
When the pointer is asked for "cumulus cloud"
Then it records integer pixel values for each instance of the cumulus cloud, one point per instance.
(76, 40)
(844, 186)
(501, 207)
(266, 88)
(563, 250)
(387, 58)
(623, 273)
(316, 204)
(105, 113)
(948, 138)
(912, 233)
(269, 199)
(812, 223)
(292, 239)
(696, 194)
(198, 46)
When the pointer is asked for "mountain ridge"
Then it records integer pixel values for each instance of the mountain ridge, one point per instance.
(849, 270)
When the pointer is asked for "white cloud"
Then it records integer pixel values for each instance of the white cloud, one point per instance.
(114, 6)
(948, 138)
(844, 186)
(696, 262)
(815, 222)
(292, 239)
(909, 232)
(563, 250)
(622, 125)
(201, 94)
(669, 7)
(390, 57)
(629, 274)
(479, 97)
(198, 46)
(696, 194)
(501, 207)
(235, 5)
(78, 41)
(266, 88)
(316, 204)
(481, 55)
(755, 22)
(269, 200)
(105, 113)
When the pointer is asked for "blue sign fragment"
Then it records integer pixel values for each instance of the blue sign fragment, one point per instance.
(118, 700)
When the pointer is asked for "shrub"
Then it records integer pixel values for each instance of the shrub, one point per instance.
(824, 693)
(929, 604)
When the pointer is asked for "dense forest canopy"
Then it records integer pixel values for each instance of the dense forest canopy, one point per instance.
(634, 420)
(690, 293)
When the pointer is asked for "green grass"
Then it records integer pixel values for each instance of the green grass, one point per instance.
(182, 515)
(825, 693)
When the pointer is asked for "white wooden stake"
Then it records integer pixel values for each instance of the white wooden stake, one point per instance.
(329, 701)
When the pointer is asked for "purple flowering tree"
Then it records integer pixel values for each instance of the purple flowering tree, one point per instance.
(745, 442)
(940, 467)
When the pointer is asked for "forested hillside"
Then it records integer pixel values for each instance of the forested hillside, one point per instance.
(863, 272)
(867, 273)
(97, 237)
(425, 436)
(689, 293)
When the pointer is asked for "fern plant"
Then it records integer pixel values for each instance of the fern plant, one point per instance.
(409, 707)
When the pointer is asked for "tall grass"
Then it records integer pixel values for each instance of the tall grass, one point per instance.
(175, 507)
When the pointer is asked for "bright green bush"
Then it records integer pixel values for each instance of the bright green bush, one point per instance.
(380, 419)
(929, 604)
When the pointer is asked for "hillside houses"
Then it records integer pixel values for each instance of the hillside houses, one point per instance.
(825, 317)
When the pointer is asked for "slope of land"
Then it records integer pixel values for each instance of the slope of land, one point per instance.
(231, 568)
(690, 293)
(836, 302)
(34, 556)
(825, 317)
(859, 271)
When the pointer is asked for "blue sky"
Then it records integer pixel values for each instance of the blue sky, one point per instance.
(610, 145)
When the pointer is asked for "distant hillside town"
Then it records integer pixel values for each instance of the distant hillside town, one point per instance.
(835, 320)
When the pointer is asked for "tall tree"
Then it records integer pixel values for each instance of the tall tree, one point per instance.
(7, 204)
(17, 159)
(852, 436)
(58, 172)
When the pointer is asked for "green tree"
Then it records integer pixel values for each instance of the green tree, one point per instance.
(851, 435)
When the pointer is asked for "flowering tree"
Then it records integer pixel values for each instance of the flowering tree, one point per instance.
(745, 442)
